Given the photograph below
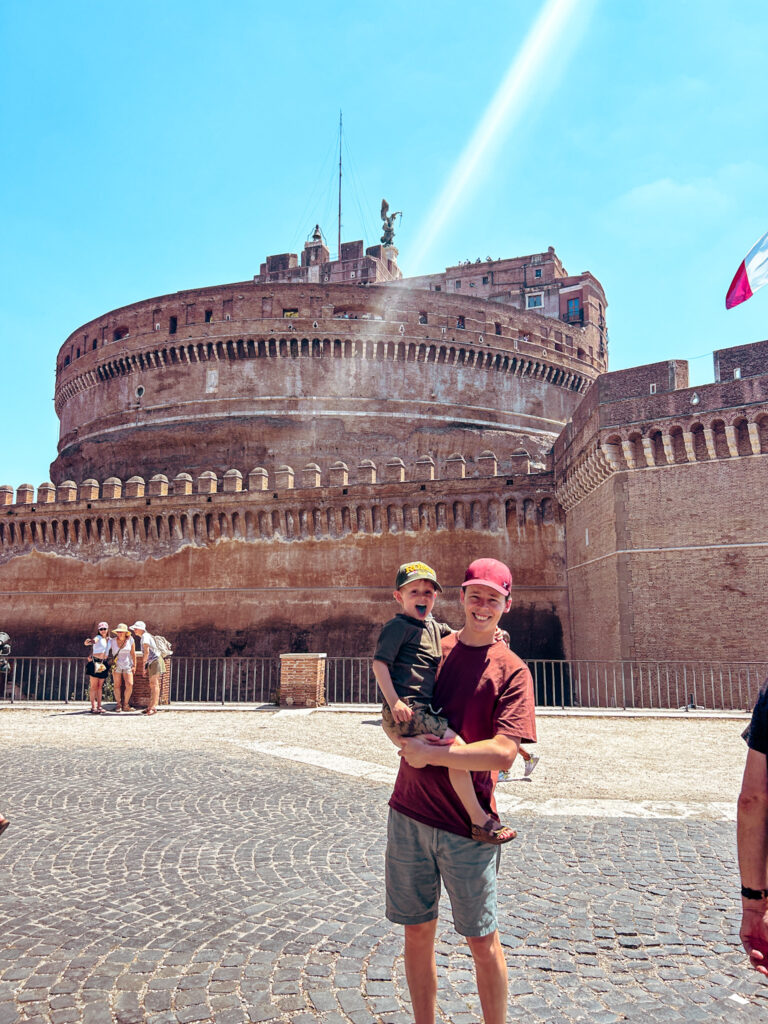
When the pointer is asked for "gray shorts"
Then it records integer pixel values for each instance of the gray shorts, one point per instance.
(424, 720)
(419, 856)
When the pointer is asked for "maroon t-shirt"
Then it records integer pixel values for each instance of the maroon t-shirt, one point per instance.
(482, 691)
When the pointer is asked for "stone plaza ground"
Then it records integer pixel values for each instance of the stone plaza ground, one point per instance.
(227, 866)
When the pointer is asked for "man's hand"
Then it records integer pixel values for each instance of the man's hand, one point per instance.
(401, 712)
(754, 937)
(418, 751)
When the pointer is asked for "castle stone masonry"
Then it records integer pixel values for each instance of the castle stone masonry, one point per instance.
(246, 466)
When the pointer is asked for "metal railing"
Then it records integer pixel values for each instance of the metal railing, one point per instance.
(648, 685)
(350, 681)
(225, 680)
(205, 680)
(670, 685)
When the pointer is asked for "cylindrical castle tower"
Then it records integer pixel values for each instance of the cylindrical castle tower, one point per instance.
(260, 374)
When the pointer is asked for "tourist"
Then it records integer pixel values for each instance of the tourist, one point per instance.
(123, 651)
(4, 823)
(405, 666)
(154, 665)
(486, 693)
(96, 667)
(752, 838)
(531, 760)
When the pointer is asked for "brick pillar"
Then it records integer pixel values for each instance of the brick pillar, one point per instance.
(140, 695)
(302, 680)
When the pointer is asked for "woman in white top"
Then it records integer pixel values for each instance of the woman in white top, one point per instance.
(123, 649)
(96, 668)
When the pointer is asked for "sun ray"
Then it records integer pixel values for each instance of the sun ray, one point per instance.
(551, 39)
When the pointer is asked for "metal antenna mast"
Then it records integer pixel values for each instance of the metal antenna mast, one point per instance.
(339, 238)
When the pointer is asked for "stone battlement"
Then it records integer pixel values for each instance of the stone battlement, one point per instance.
(139, 523)
(687, 426)
(259, 480)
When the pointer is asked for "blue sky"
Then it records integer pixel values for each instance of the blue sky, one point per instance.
(156, 146)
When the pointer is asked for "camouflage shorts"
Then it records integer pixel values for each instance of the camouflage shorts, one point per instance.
(424, 720)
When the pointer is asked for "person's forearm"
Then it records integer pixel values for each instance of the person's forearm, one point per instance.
(384, 680)
(496, 754)
(752, 840)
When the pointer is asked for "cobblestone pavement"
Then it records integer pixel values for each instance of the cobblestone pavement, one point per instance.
(149, 880)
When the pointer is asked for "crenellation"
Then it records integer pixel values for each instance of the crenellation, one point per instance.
(25, 494)
(46, 493)
(425, 468)
(367, 472)
(258, 479)
(284, 478)
(339, 474)
(395, 470)
(487, 463)
(182, 483)
(89, 490)
(207, 483)
(158, 486)
(310, 475)
(136, 530)
(135, 487)
(66, 491)
(233, 481)
(456, 466)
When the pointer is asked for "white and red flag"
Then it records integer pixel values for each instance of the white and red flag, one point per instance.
(751, 275)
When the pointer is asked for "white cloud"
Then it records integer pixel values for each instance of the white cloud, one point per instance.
(669, 211)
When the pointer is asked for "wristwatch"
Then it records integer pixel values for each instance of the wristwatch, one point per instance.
(753, 894)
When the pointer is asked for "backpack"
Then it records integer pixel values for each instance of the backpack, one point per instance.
(162, 646)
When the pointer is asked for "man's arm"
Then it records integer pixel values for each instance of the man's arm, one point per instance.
(752, 841)
(495, 754)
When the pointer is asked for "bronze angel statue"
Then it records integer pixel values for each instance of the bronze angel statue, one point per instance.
(388, 219)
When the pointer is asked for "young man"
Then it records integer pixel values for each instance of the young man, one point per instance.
(486, 693)
(405, 665)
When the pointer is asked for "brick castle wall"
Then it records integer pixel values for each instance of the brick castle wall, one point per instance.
(667, 550)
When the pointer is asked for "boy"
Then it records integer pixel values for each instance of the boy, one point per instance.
(405, 666)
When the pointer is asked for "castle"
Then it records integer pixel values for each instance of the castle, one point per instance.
(245, 466)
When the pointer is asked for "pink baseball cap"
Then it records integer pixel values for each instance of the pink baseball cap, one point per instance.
(487, 572)
(103, 625)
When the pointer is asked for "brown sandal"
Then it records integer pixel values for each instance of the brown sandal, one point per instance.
(493, 832)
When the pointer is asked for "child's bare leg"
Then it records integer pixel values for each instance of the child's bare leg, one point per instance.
(465, 791)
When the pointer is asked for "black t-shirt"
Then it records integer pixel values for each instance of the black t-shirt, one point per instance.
(756, 733)
(410, 648)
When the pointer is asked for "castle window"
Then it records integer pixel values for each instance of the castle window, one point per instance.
(422, 318)
(460, 323)
(457, 285)
(535, 301)
(208, 315)
(537, 273)
(66, 360)
(120, 333)
(497, 328)
(77, 354)
(172, 325)
(653, 389)
(95, 343)
(287, 313)
(438, 288)
(485, 279)
(737, 373)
